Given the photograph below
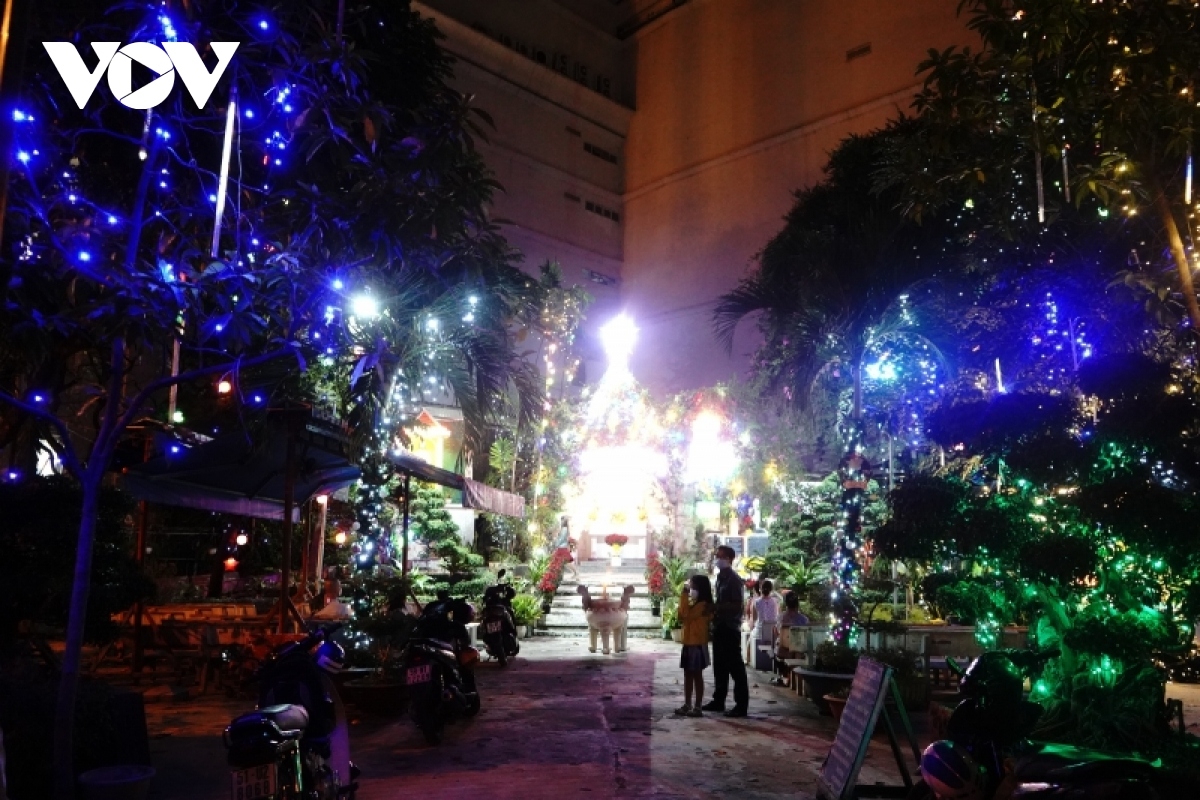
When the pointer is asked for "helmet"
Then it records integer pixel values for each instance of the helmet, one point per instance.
(950, 772)
(331, 657)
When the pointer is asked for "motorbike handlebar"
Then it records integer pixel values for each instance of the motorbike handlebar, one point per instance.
(1022, 659)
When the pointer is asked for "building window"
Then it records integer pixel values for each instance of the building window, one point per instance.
(574, 198)
(607, 213)
(858, 52)
(573, 131)
(600, 153)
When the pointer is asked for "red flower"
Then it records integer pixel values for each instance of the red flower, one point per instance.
(616, 539)
(656, 576)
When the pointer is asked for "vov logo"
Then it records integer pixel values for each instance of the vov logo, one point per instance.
(163, 60)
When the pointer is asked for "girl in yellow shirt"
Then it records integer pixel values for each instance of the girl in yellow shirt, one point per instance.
(695, 611)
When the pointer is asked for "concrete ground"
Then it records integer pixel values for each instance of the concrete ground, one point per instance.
(558, 722)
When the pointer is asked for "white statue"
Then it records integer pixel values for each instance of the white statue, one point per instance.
(604, 615)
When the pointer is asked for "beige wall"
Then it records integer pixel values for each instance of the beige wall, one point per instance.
(738, 103)
(545, 121)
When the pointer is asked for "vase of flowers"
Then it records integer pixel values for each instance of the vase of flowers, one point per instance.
(616, 541)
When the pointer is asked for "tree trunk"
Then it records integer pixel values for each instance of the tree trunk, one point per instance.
(68, 686)
(1182, 265)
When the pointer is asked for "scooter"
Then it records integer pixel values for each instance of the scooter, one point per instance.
(439, 667)
(498, 629)
(987, 755)
(296, 745)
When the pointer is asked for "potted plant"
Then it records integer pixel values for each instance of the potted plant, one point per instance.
(914, 690)
(656, 581)
(836, 700)
(616, 541)
(383, 638)
(670, 619)
(551, 578)
(833, 667)
(525, 613)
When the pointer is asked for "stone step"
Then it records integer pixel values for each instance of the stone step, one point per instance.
(575, 601)
(614, 589)
(611, 575)
(561, 619)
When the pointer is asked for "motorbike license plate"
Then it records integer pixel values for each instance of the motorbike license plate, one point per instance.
(254, 783)
(421, 674)
(494, 627)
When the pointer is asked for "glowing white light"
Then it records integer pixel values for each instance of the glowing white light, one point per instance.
(711, 458)
(881, 371)
(364, 306)
(619, 336)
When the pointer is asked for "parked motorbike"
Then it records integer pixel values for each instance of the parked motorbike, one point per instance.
(987, 755)
(439, 666)
(295, 745)
(498, 628)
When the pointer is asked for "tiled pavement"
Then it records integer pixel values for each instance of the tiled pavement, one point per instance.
(559, 723)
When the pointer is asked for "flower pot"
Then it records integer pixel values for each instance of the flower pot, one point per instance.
(836, 706)
(818, 684)
(677, 635)
(526, 631)
(656, 608)
(666, 632)
(130, 782)
(615, 561)
(378, 695)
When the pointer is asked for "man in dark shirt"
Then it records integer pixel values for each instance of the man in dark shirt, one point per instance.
(727, 638)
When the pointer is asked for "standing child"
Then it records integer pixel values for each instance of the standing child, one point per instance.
(695, 610)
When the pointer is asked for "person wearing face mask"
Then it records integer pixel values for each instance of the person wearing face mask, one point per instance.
(727, 638)
(695, 610)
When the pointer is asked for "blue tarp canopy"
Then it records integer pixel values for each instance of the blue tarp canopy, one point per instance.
(243, 473)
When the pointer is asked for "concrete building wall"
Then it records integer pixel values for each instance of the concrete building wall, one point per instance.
(654, 145)
(551, 82)
(738, 104)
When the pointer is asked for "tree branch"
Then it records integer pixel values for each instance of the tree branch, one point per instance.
(139, 400)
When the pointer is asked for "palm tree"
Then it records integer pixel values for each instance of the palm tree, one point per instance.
(833, 288)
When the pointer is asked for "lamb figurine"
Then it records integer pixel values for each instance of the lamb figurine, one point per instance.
(607, 615)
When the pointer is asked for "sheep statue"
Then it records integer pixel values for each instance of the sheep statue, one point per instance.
(604, 615)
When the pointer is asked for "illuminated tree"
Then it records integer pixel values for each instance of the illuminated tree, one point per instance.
(834, 290)
(1069, 109)
(1076, 509)
(352, 167)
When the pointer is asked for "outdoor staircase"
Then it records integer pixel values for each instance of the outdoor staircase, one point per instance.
(566, 617)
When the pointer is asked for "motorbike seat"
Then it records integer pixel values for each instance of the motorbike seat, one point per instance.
(290, 719)
(1056, 763)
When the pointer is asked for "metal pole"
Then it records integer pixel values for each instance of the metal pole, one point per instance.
(139, 558)
(139, 606)
(404, 544)
(306, 559)
(215, 248)
(322, 519)
(289, 502)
